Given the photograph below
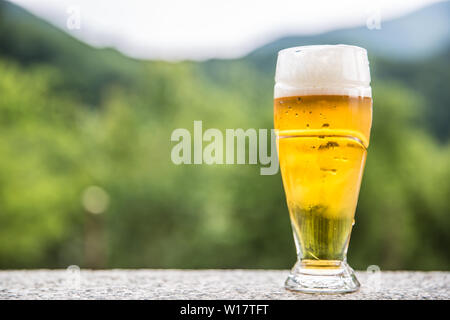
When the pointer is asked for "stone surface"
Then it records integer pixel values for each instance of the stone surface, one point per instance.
(206, 284)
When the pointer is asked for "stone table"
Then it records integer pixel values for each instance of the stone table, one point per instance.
(207, 284)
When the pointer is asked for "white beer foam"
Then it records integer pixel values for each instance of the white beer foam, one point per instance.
(322, 70)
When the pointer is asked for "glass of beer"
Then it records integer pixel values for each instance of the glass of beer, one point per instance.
(322, 117)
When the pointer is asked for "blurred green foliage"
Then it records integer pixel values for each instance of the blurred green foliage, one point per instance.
(72, 116)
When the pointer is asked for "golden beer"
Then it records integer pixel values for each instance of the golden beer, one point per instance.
(322, 138)
(322, 150)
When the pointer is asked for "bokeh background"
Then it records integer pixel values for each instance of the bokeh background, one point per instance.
(85, 170)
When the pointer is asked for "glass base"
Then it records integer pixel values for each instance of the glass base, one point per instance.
(308, 279)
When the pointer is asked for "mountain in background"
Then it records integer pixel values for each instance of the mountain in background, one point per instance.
(418, 35)
(30, 40)
(414, 48)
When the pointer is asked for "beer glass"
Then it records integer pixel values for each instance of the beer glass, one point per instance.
(322, 118)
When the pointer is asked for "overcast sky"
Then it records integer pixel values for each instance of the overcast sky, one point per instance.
(202, 29)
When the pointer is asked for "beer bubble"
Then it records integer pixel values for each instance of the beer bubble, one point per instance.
(353, 145)
(325, 125)
(317, 209)
(343, 159)
(329, 144)
(332, 171)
